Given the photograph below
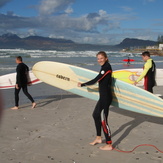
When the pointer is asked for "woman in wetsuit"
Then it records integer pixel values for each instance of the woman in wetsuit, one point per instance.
(105, 99)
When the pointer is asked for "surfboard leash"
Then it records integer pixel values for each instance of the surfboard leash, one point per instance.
(150, 145)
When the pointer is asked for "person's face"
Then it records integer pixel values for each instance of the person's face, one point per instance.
(145, 58)
(16, 60)
(101, 59)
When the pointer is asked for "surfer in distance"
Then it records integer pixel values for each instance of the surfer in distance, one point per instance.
(105, 98)
(128, 61)
(148, 73)
(21, 82)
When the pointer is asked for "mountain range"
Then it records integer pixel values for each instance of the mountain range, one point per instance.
(12, 41)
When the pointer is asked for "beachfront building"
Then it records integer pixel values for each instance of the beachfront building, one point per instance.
(151, 47)
(160, 46)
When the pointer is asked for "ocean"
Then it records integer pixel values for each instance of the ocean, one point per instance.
(86, 59)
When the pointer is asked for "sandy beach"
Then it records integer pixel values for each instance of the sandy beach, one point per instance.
(61, 127)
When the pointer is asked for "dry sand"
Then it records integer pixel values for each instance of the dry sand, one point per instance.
(60, 128)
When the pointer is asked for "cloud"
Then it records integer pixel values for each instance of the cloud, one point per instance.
(150, 0)
(141, 33)
(158, 23)
(86, 28)
(3, 2)
(126, 8)
(48, 7)
(69, 10)
(10, 21)
(55, 20)
(32, 32)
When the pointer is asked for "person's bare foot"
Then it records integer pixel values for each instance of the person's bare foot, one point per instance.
(33, 105)
(98, 140)
(107, 147)
(15, 108)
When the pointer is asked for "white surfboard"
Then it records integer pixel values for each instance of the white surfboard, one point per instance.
(131, 75)
(125, 96)
(9, 80)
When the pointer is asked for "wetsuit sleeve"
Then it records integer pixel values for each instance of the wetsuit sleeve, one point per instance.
(147, 66)
(18, 74)
(27, 68)
(91, 82)
(99, 77)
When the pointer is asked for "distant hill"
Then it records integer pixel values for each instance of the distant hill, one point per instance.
(131, 42)
(32, 42)
(12, 41)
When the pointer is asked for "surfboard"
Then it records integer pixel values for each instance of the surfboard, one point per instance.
(125, 96)
(131, 75)
(130, 60)
(9, 80)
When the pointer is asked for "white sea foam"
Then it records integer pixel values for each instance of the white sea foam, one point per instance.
(79, 58)
(54, 53)
(7, 68)
(4, 56)
(158, 61)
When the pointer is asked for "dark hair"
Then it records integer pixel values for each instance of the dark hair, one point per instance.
(103, 54)
(146, 53)
(19, 58)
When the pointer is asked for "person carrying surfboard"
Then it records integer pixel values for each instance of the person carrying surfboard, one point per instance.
(148, 73)
(104, 79)
(128, 60)
(21, 82)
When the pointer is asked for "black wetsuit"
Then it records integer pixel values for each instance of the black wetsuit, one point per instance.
(148, 74)
(22, 81)
(149, 79)
(105, 99)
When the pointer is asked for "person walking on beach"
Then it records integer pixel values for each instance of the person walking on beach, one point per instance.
(21, 82)
(148, 73)
(105, 98)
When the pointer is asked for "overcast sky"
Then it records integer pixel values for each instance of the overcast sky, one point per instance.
(83, 21)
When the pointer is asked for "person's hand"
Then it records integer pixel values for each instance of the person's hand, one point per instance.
(16, 86)
(135, 83)
(79, 84)
(29, 84)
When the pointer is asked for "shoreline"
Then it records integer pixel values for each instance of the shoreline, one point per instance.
(153, 52)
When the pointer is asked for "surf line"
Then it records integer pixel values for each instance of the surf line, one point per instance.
(150, 145)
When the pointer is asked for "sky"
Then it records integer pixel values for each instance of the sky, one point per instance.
(83, 21)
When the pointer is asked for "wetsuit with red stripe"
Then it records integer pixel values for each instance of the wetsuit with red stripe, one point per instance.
(149, 79)
(105, 98)
(148, 74)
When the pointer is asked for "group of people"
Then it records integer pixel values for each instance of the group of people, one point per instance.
(105, 94)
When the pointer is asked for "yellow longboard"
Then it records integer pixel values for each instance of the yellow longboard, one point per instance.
(131, 75)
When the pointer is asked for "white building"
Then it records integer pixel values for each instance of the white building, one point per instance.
(152, 47)
(160, 46)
